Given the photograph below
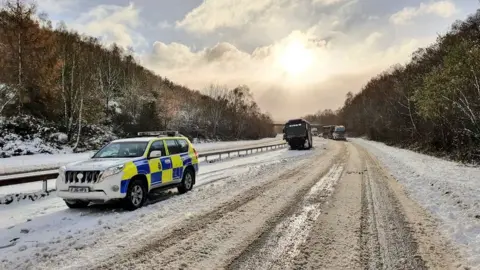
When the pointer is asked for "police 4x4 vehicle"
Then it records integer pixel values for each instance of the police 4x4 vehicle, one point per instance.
(128, 169)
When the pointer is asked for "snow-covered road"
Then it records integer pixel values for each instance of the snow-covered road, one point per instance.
(342, 205)
(448, 190)
(43, 229)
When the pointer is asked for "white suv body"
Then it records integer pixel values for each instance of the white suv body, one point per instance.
(101, 188)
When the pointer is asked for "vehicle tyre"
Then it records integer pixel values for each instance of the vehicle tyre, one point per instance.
(74, 204)
(307, 144)
(187, 182)
(136, 195)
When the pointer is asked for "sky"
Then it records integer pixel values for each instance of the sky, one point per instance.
(297, 56)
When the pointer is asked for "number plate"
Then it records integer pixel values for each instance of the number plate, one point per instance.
(78, 189)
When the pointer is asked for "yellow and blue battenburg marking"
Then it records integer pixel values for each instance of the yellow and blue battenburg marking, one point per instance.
(158, 171)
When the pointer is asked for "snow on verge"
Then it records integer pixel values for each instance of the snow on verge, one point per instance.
(449, 190)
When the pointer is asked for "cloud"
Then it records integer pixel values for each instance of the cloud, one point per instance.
(373, 38)
(270, 17)
(214, 14)
(114, 24)
(327, 2)
(329, 69)
(164, 24)
(444, 9)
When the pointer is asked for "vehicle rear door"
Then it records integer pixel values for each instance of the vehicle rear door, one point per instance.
(156, 164)
(186, 156)
(174, 150)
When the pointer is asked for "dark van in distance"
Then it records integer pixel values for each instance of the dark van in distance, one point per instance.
(298, 134)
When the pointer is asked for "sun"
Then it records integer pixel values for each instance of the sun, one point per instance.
(296, 59)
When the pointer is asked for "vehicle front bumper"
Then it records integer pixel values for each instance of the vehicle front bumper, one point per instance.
(106, 190)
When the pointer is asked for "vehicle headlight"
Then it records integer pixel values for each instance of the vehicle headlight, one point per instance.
(112, 171)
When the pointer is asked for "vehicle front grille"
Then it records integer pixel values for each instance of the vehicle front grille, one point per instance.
(87, 176)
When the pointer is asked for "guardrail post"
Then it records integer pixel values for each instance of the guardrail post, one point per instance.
(45, 186)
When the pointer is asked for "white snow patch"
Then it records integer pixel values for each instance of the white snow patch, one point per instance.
(14, 142)
(59, 137)
(449, 190)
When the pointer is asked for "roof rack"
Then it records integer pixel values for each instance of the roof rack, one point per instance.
(163, 133)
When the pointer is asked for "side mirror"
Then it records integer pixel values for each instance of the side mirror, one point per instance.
(155, 154)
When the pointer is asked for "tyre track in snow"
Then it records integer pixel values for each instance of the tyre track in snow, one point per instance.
(369, 223)
(386, 238)
(213, 240)
(277, 247)
(405, 235)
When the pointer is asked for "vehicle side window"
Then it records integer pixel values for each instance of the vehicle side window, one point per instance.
(173, 147)
(183, 146)
(158, 146)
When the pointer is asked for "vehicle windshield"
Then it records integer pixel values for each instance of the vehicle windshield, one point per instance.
(122, 150)
(295, 129)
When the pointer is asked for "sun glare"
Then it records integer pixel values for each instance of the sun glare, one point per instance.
(296, 58)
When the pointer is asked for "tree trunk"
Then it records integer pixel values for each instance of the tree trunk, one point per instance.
(20, 81)
(71, 109)
(64, 97)
(79, 122)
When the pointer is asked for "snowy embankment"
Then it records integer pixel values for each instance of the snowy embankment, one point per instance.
(47, 232)
(50, 161)
(24, 135)
(449, 191)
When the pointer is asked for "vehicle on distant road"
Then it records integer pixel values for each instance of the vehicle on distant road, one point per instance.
(128, 169)
(328, 131)
(339, 133)
(298, 134)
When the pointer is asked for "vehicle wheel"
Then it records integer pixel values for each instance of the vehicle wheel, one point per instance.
(306, 145)
(136, 195)
(187, 182)
(76, 204)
